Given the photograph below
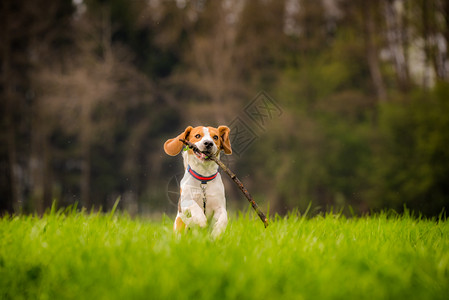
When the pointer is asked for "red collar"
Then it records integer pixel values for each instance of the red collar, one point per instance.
(203, 179)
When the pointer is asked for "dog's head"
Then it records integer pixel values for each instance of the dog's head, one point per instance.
(208, 139)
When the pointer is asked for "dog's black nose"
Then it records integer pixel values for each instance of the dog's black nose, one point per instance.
(208, 144)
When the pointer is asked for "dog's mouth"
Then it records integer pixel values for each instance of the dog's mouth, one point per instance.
(202, 156)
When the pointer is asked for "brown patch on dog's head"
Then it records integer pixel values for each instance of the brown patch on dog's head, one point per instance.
(196, 134)
(220, 136)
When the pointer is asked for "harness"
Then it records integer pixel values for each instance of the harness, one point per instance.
(204, 180)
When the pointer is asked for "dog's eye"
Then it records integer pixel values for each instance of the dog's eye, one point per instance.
(215, 137)
(198, 136)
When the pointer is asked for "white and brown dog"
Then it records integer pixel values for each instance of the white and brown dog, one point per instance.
(202, 191)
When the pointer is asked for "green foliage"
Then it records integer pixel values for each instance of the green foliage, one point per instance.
(78, 256)
(323, 140)
(413, 157)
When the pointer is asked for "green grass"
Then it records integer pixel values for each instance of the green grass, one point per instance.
(81, 256)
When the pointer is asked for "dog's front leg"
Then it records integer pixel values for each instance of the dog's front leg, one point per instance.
(192, 214)
(221, 221)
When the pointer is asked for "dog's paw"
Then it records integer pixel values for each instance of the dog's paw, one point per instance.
(192, 214)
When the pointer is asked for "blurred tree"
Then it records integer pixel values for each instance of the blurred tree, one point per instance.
(210, 66)
(326, 96)
(261, 55)
(90, 90)
(25, 24)
(413, 158)
(86, 92)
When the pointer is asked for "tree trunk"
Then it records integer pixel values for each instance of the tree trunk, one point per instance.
(85, 138)
(427, 43)
(446, 23)
(446, 38)
(48, 175)
(40, 166)
(405, 40)
(372, 52)
(36, 170)
(396, 39)
(441, 39)
(10, 201)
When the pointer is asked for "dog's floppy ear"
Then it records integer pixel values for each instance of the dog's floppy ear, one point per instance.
(174, 146)
(224, 135)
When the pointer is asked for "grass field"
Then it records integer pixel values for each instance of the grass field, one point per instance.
(82, 256)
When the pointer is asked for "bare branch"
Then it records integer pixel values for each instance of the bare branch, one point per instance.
(233, 177)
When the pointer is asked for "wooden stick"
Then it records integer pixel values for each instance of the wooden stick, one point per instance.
(233, 177)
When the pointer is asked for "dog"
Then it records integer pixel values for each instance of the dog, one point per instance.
(202, 190)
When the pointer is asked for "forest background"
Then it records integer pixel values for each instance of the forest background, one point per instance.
(338, 104)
